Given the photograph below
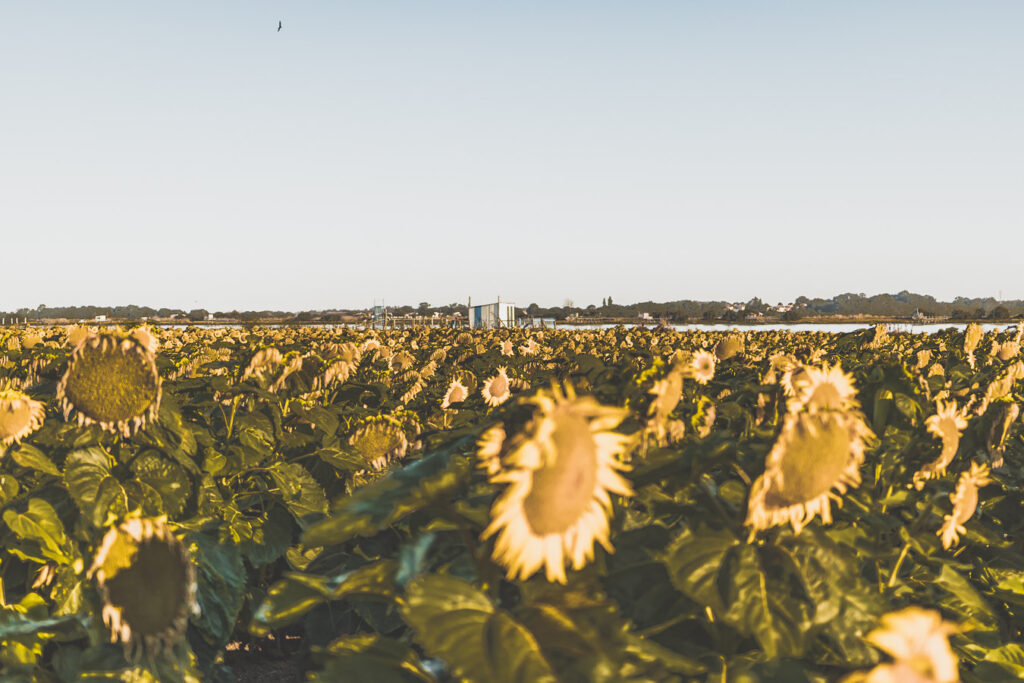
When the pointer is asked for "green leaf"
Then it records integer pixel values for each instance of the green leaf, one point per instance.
(457, 623)
(369, 657)
(221, 584)
(762, 606)
(383, 502)
(165, 477)
(300, 492)
(84, 470)
(293, 596)
(694, 560)
(40, 526)
(31, 457)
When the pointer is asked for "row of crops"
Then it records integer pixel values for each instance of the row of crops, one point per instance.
(437, 505)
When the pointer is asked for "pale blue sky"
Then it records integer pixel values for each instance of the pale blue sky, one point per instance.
(186, 154)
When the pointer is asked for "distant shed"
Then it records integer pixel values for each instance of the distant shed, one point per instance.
(492, 316)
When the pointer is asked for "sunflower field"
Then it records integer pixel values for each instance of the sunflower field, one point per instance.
(507, 506)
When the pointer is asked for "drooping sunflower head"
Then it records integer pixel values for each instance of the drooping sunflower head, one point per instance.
(729, 346)
(559, 471)
(145, 336)
(19, 416)
(496, 390)
(111, 381)
(946, 424)
(816, 457)
(148, 587)
(823, 389)
(457, 393)
(379, 440)
(262, 362)
(965, 502)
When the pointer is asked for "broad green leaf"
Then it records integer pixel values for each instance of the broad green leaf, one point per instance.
(370, 657)
(761, 606)
(301, 494)
(221, 583)
(31, 457)
(383, 502)
(40, 526)
(165, 477)
(294, 595)
(694, 560)
(458, 624)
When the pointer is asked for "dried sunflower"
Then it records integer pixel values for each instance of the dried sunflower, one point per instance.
(559, 472)
(111, 381)
(19, 416)
(148, 586)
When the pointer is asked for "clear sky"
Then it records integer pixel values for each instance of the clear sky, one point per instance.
(186, 154)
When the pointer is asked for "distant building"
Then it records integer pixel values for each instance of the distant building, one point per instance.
(100, 319)
(644, 316)
(492, 316)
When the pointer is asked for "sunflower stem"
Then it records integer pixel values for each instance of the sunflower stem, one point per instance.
(899, 564)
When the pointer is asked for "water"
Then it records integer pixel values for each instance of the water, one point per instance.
(833, 328)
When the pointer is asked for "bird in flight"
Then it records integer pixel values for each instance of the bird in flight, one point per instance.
(278, 25)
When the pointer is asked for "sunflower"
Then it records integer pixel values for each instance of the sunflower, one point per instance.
(918, 641)
(667, 394)
(19, 416)
(702, 366)
(489, 449)
(148, 586)
(457, 393)
(379, 440)
(946, 424)
(261, 363)
(145, 337)
(496, 390)
(111, 381)
(506, 348)
(823, 389)
(815, 455)
(559, 472)
(965, 502)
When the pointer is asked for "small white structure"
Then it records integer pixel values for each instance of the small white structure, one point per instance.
(100, 319)
(491, 316)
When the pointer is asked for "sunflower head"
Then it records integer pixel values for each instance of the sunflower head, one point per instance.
(559, 471)
(965, 502)
(702, 366)
(823, 389)
(815, 456)
(19, 416)
(148, 586)
(457, 393)
(262, 362)
(496, 390)
(379, 440)
(918, 641)
(111, 381)
(729, 346)
(946, 424)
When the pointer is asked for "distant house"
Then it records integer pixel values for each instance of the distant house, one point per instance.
(645, 316)
(100, 319)
(492, 316)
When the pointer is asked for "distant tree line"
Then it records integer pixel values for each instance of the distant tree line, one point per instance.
(902, 305)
